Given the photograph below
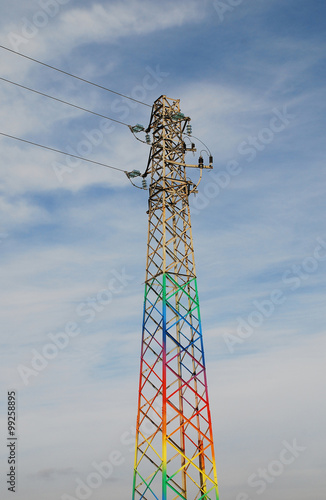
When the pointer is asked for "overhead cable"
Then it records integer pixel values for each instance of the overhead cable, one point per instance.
(74, 76)
(64, 102)
(62, 152)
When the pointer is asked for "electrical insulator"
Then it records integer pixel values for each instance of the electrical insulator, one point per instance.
(148, 139)
(144, 183)
(177, 116)
(189, 129)
(211, 160)
(200, 161)
(134, 173)
(137, 128)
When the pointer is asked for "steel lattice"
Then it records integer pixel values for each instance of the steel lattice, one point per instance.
(174, 444)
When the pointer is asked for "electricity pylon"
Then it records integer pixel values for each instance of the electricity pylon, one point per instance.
(174, 442)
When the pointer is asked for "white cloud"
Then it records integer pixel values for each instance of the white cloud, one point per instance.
(113, 21)
(99, 22)
(20, 212)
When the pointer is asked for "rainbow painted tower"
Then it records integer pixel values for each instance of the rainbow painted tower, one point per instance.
(174, 443)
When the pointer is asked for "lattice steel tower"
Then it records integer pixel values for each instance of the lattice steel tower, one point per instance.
(174, 443)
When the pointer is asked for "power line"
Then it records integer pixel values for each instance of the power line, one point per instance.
(64, 102)
(62, 152)
(74, 76)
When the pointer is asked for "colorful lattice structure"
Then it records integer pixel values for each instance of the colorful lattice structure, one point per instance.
(174, 443)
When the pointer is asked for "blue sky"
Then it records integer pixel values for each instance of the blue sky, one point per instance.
(251, 75)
